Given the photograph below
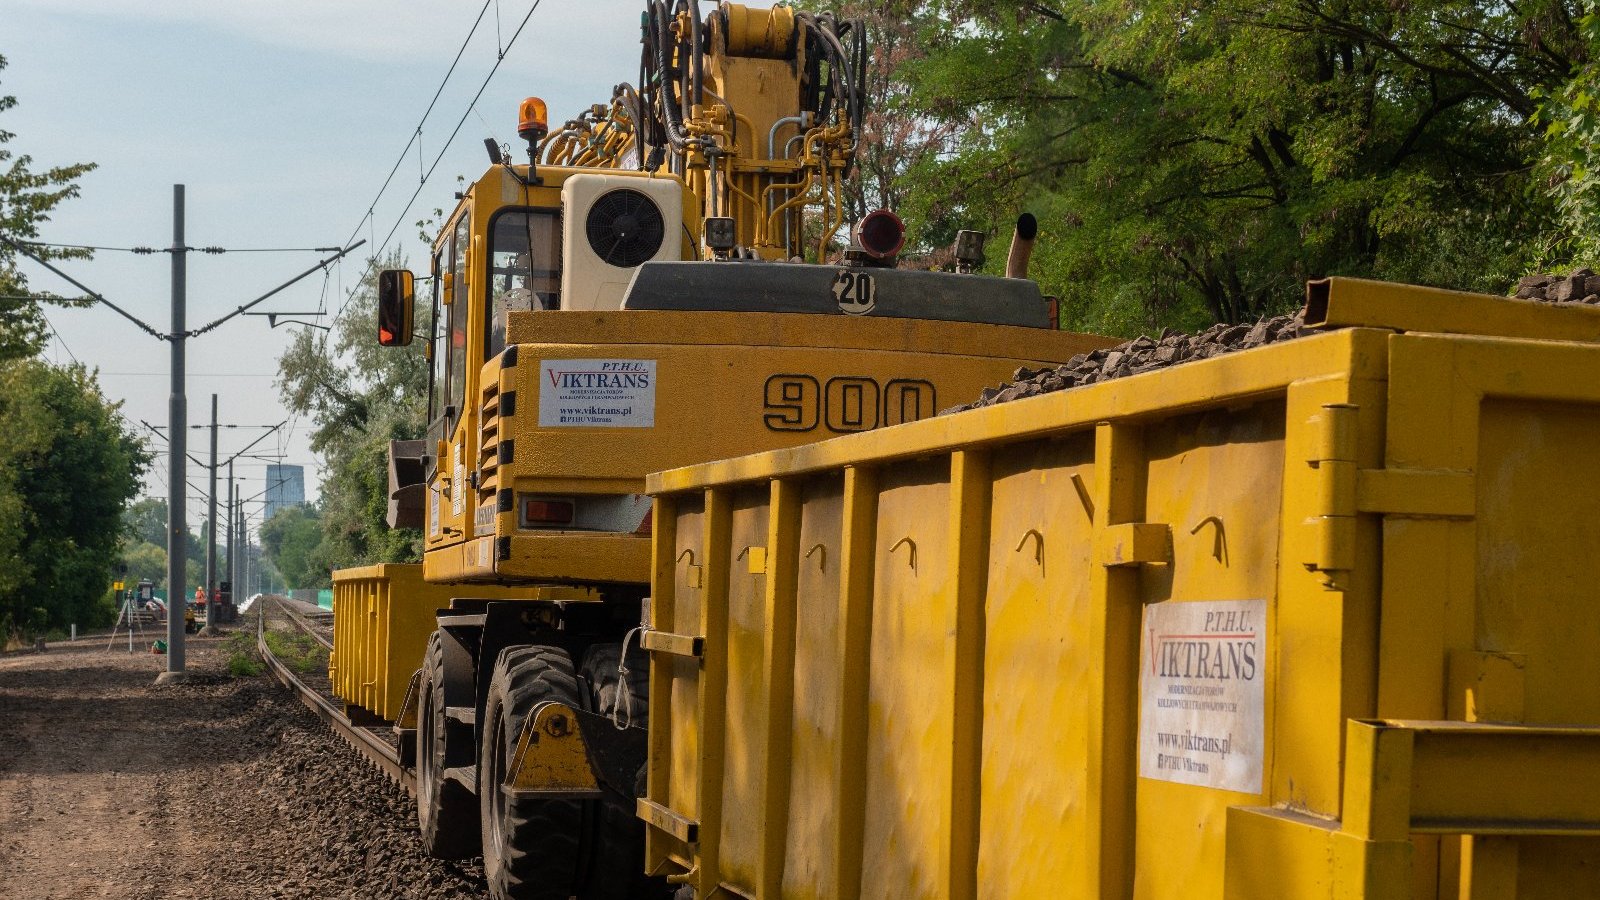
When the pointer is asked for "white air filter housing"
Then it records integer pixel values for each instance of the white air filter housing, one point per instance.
(613, 224)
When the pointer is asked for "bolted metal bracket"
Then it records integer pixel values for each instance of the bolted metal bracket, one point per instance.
(1136, 544)
(551, 759)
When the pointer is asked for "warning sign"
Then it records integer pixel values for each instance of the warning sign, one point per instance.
(1201, 699)
(597, 393)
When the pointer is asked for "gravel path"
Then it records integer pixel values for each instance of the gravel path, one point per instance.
(218, 788)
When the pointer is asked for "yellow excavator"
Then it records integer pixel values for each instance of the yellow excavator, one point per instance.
(663, 280)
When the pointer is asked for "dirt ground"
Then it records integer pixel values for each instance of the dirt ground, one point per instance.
(111, 786)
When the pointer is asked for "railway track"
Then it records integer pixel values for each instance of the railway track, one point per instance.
(305, 624)
(370, 745)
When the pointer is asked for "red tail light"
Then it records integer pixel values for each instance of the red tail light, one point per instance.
(544, 512)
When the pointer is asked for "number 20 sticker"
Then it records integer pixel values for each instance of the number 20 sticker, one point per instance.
(854, 292)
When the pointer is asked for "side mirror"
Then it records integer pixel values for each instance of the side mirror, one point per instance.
(396, 307)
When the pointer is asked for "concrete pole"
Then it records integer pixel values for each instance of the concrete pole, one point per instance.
(250, 567)
(211, 525)
(232, 575)
(177, 448)
(242, 559)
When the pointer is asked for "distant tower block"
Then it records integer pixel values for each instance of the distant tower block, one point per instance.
(286, 487)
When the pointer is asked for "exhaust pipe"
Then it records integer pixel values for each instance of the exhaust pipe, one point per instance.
(1022, 246)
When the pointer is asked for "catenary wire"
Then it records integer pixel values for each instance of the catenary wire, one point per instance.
(417, 131)
(147, 251)
(443, 149)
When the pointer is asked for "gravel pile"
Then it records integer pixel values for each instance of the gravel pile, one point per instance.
(1582, 286)
(1139, 355)
(1146, 354)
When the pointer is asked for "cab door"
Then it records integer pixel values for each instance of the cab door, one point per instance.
(449, 499)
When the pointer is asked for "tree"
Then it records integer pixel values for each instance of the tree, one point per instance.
(144, 547)
(26, 200)
(145, 562)
(146, 521)
(1198, 163)
(360, 397)
(68, 466)
(291, 541)
(1571, 163)
(68, 462)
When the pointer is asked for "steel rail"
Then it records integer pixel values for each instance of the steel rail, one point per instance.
(305, 624)
(374, 748)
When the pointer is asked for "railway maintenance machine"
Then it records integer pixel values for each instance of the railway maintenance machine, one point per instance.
(663, 282)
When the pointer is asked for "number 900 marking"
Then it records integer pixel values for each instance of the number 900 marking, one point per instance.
(846, 403)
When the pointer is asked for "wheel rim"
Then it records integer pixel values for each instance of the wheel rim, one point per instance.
(426, 740)
(494, 776)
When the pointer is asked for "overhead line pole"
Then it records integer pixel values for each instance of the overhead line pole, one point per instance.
(233, 539)
(177, 407)
(211, 525)
(241, 560)
(177, 435)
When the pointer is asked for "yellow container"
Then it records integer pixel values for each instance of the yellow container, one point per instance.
(382, 617)
(1309, 620)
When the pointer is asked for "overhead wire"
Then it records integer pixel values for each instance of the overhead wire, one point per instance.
(147, 251)
(443, 149)
(59, 339)
(416, 132)
(194, 374)
(143, 326)
(146, 327)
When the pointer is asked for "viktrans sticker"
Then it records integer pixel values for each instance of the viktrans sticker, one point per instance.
(597, 393)
(1202, 674)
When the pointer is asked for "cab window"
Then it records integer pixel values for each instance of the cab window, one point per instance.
(436, 335)
(458, 312)
(524, 268)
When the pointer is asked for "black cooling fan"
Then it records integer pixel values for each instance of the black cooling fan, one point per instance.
(625, 228)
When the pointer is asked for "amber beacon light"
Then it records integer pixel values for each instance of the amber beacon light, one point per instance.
(534, 120)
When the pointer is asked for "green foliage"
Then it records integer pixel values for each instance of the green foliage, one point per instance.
(298, 651)
(145, 562)
(243, 659)
(68, 466)
(145, 521)
(243, 666)
(360, 396)
(1197, 163)
(292, 541)
(1570, 114)
(26, 199)
(144, 547)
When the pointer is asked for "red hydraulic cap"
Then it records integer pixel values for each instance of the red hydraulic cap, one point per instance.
(880, 234)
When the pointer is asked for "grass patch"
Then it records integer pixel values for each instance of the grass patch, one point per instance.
(298, 651)
(243, 661)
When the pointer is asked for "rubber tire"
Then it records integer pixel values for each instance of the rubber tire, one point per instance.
(447, 813)
(600, 670)
(617, 871)
(530, 847)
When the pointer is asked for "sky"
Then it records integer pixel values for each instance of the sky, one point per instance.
(282, 119)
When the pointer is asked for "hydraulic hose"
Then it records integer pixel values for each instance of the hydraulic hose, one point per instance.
(672, 116)
(696, 52)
